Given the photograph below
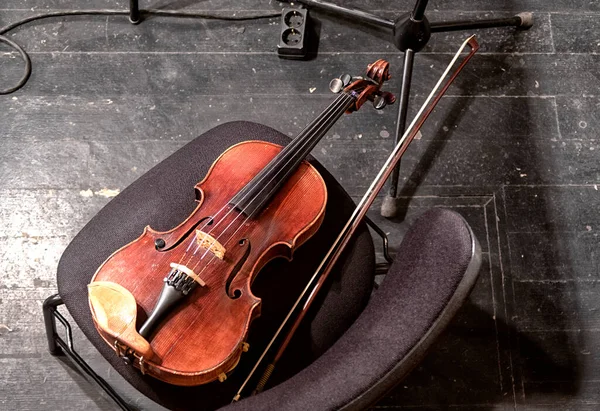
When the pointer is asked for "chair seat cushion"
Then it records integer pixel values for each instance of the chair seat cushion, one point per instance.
(162, 198)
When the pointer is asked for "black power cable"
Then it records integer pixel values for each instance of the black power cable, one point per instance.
(25, 58)
(147, 12)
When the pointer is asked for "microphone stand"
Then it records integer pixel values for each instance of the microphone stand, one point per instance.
(410, 32)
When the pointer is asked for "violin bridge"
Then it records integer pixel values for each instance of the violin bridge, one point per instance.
(206, 241)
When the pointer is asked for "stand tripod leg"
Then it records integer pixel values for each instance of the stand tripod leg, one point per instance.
(419, 9)
(521, 20)
(348, 13)
(389, 207)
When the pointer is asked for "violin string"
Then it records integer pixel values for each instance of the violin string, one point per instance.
(320, 125)
(342, 102)
(306, 130)
(339, 103)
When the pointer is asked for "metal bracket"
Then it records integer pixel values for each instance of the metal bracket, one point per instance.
(381, 268)
(120, 349)
(142, 365)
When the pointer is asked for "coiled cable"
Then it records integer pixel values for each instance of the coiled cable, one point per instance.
(105, 12)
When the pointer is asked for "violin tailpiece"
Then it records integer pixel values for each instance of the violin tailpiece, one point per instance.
(180, 281)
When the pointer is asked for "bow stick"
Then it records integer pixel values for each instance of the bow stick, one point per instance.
(326, 266)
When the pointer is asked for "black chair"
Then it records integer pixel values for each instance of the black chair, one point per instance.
(435, 270)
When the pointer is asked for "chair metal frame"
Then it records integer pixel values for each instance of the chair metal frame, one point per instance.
(58, 346)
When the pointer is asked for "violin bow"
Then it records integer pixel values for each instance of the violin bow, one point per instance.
(326, 266)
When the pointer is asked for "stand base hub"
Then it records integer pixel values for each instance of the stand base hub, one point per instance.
(411, 34)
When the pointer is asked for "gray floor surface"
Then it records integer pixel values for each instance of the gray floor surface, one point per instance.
(512, 147)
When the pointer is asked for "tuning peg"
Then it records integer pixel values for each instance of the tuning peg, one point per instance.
(383, 99)
(389, 97)
(346, 79)
(379, 102)
(336, 85)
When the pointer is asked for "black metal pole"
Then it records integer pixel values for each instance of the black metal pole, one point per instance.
(388, 207)
(134, 11)
(349, 13)
(522, 20)
(419, 10)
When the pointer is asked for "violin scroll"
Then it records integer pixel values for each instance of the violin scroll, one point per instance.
(366, 88)
(379, 71)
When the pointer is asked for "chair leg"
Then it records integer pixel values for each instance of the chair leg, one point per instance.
(49, 308)
(58, 346)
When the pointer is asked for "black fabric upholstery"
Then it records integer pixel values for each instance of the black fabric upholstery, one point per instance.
(162, 198)
(435, 269)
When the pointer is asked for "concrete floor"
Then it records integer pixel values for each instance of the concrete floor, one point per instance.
(512, 147)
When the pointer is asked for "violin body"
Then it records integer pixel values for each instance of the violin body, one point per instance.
(202, 339)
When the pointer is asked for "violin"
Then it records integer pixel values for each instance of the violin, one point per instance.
(259, 201)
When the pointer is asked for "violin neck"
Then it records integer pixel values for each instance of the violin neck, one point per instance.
(251, 199)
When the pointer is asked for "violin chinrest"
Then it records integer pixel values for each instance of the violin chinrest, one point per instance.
(115, 313)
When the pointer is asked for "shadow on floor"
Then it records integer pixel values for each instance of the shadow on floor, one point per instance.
(463, 368)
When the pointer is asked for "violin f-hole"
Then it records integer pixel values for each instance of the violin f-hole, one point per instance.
(161, 246)
(235, 294)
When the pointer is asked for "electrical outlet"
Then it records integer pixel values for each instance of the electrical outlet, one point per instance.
(292, 38)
